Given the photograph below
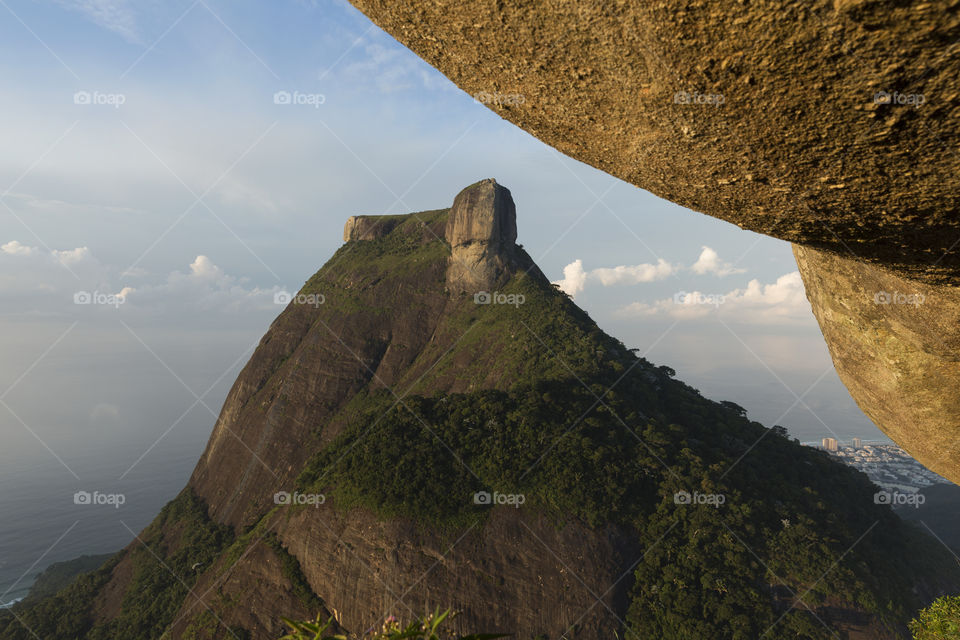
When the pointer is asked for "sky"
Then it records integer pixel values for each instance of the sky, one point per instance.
(169, 167)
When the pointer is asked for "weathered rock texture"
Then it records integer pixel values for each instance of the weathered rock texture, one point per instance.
(832, 124)
(501, 574)
(895, 343)
(482, 232)
(773, 116)
(368, 227)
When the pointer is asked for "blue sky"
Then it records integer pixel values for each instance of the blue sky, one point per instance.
(183, 185)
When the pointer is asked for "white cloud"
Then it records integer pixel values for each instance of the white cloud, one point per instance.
(71, 257)
(575, 277)
(203, 268)
(34, 280)
(709, 262)
(15, 248)
(783, 301)
(633, 274)
(204, 287)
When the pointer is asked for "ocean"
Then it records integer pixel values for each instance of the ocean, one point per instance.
(41, 523)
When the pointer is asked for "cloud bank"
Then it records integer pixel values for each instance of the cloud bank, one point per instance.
(780, 302)
(575, 277)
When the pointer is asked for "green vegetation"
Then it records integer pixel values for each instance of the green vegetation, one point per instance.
(700, 577)
(65, 615)
(416, 241)
(619, 437)
(939, 621)
(162, 566)
(430, 627)
(60, 574)
(290, 567)
(550, 408)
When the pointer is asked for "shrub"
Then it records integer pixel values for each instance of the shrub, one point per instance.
(939, 621)
(430, 627)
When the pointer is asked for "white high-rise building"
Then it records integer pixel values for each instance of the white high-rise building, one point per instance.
(857, 443)
(830, 444)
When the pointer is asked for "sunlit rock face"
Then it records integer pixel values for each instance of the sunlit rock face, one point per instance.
(831, 124)
(482, 232)
(895, 343)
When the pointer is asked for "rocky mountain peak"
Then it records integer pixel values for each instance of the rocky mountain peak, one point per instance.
(482, 232)
(481, 229)
(483, 212)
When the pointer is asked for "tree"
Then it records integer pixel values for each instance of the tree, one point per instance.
(939, 621)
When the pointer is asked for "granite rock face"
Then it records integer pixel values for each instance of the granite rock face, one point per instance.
(482, 232)
(895, 343)
(483, 213)
(831, 124)
(828, 123)
(368, 227)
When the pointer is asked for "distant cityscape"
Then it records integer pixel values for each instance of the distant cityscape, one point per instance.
(887, 465)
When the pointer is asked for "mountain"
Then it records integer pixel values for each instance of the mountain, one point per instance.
(831, 124)
(431, 423)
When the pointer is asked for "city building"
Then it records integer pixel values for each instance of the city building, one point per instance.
(830, 444)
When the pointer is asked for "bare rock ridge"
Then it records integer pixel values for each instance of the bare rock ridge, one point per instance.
(831, 124)
(368, 227)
